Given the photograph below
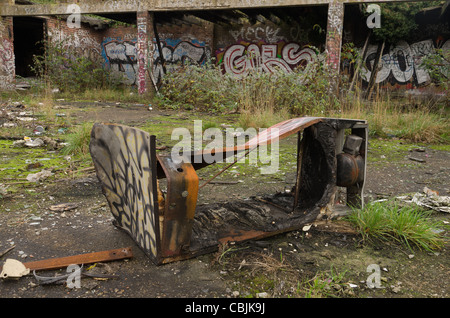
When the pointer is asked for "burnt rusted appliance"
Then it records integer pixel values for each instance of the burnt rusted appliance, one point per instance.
(171, 226)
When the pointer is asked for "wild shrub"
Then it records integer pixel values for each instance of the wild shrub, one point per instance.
(207, 88)
(69, 70)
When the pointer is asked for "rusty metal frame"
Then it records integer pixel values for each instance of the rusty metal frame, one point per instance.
(323, 137)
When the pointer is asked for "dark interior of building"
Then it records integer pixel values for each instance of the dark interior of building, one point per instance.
(28, 41)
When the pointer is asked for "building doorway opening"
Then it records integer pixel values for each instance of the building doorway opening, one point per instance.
(28, 41)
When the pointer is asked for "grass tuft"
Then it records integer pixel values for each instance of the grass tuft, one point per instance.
(78, 140)
(407, 225)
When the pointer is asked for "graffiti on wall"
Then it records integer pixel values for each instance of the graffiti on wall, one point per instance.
(239, 59)
(178, 52)
(121, 56)
(7, 67)
(403, 62)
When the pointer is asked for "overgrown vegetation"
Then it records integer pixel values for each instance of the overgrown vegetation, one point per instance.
(301, 92)
(66, 69)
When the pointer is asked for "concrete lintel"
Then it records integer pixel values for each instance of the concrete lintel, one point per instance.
(123, 6)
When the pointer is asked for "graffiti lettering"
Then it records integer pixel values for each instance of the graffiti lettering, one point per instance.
(239, 59)
(256, 34)
(403, 61)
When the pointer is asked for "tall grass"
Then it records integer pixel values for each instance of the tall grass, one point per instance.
(388, 221)
(399, 117)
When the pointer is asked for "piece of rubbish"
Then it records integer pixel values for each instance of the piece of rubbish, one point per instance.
(428, 199)
(7, 250)
(429, 192)
(38, 130)
(34, 143)
(14, 269)
(39, 176)
(61, 279)
(63, 207)
(416, 159)
(89, 258)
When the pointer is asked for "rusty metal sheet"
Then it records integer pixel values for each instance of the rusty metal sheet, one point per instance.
(125, 162)
(273, 133)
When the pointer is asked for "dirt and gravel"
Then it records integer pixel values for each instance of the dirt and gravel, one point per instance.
(283, 266)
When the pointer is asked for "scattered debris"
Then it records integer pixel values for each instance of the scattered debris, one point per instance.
(48, 142)
(416, 159)
(7, 250)
(63, 207)
(429, 199)
(60, 279)
(39, 176)
(38, 142)
(14, 269)
(3, 190)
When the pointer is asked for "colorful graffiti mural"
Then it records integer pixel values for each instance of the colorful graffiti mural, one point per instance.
(238, 59)
(403, 63)
(121, 56)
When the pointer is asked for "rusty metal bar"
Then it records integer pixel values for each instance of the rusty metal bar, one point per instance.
(89, 258)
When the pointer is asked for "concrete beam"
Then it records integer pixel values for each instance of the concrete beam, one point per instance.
(7, 8)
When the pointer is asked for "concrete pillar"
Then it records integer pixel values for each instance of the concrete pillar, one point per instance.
(144, 52)
(7, 57)
(335, 26)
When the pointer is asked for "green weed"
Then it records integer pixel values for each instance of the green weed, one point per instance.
(388, 221)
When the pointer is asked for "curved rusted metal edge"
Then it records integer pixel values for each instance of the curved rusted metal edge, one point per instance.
(266, 137)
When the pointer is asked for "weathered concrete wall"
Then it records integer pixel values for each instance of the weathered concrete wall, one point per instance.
(83, 41)
(7, 62)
